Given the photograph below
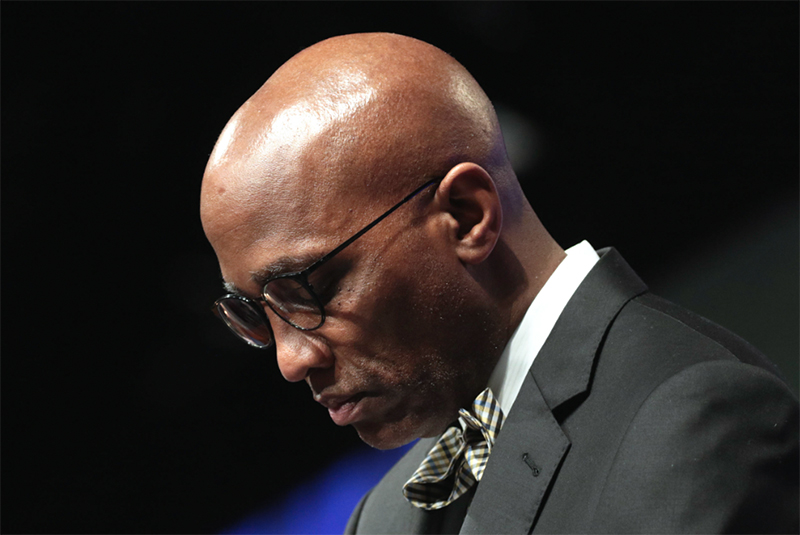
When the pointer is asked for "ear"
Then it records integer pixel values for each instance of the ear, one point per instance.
(469, 196)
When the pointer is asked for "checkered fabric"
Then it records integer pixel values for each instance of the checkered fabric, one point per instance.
(458, 459)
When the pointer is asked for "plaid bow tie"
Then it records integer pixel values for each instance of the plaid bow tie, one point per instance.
(458, 459)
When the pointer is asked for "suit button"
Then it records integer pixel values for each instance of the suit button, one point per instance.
(534, 469)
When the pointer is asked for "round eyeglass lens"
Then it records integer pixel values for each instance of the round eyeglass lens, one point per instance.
(246, 321)
(293, 302)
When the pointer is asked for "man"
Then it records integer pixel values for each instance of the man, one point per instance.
(368, 224)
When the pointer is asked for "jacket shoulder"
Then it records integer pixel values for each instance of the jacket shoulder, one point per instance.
(658, 371)
(709, 450)
(710, 432)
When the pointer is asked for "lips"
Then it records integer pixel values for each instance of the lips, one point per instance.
(343, 410)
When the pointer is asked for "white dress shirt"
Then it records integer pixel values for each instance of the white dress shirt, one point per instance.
(535, 327)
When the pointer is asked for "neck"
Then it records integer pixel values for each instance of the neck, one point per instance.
(530, 256)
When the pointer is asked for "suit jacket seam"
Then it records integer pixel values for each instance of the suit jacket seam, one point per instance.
(360, 509)
(693, 329)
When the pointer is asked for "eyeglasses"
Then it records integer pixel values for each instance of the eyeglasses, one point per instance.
(290, 296)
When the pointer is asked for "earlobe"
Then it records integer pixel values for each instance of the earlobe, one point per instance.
(469, 196)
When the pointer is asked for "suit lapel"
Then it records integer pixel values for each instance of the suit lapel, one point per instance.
(564, 365)
(532, 445)
(523, 461)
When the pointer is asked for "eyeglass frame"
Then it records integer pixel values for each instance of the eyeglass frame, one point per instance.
(301, 277)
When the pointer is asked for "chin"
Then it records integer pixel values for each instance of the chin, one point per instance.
(381, 440)
(394, 435)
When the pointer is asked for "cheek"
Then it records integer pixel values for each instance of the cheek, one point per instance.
(440, 318)
(406, 298)
(411, 299)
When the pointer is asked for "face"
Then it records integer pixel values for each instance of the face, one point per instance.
(408, 338)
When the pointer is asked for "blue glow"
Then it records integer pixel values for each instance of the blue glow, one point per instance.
(324, 504)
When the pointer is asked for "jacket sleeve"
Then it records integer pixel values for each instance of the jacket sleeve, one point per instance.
(714, 449)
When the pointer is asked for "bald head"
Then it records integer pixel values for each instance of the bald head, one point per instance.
(366, 113)
(416, 312)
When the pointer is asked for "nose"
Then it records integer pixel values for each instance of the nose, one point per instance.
(299, 352)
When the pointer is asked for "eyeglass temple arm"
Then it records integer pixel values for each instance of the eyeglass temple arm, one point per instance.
(364, 230)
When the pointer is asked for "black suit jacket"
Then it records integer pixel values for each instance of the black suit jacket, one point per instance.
(636, 417)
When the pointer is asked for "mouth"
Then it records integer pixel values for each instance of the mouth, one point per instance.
(343, 411)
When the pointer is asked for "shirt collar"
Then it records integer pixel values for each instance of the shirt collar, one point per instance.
(530, 335)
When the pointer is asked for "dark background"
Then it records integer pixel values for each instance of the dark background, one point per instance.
(669, 130)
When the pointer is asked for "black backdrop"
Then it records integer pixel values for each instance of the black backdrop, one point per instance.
(665, 129)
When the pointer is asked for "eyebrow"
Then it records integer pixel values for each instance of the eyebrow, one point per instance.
(286, 264)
